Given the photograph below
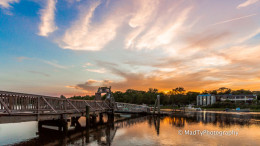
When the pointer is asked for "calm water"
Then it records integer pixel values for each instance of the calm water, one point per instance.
(212, 128)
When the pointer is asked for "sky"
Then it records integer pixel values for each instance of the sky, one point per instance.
(72, 47)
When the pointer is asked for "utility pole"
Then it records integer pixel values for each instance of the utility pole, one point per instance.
(158, 107)
(157, 103)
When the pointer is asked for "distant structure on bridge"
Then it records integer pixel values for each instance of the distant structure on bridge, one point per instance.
(105, 90)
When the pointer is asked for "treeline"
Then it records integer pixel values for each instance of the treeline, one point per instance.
(224, 90)
(178, 96)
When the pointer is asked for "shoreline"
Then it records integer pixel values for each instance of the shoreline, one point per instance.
(216, 109)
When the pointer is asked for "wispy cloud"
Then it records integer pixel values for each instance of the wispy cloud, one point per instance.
(234, 19)
(6, 6)
(7, 3)
(47, 24)
(102, 70)
(54, 64)
(40, 73)
(247, 3)
(22, 58)
(159, 32)
(87, 64)
(86, 35)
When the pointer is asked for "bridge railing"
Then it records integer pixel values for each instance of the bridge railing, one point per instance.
(11, 103)
(127, 107)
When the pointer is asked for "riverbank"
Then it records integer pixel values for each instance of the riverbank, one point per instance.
(168, 108)
(223, 109)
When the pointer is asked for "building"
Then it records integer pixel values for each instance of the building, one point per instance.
(209, 99)
(206, 99)
(236, 98)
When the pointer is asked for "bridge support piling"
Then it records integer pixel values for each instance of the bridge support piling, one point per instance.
(39, 126)
(74, 121)
(94, 120)
(87, 117)
(101, 118)
(110, 117)
(63, 122)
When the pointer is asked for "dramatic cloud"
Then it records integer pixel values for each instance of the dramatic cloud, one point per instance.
(91, 85)
(6, 3)
(140, 44)
(166, 44)
(247, 3)
(153, 33)
(47, 24)
(225, 75)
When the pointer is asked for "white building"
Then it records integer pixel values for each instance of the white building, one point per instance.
(237, 98)
(209, 99)
(206, 99)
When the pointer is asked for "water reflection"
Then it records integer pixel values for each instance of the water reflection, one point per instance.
(152, 130)
(102, 133)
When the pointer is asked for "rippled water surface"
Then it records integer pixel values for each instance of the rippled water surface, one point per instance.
(194, 128)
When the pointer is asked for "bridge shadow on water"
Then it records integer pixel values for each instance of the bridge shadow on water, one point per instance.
(102, 131)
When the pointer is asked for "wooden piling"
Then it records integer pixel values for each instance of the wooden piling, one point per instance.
(87, 116)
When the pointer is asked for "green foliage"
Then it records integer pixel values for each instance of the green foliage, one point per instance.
(242, 91)
(87, 97)
(63, 97)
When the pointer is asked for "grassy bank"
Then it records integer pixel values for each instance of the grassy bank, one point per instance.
(168, 107)
(223, 109)
(213, 109)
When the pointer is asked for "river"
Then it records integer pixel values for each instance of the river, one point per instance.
(191, 128)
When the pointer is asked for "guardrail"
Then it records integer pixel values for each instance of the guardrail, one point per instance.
(127, 107)
(14, 103)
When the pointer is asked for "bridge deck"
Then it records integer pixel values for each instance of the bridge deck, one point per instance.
(20, 107)
(17, 107)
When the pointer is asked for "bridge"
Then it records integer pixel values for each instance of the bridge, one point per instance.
(22, 107)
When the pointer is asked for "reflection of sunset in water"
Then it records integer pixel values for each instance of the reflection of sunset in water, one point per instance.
(145, 133)
(148, 130)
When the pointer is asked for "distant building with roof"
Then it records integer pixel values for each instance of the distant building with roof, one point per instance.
(209, 99)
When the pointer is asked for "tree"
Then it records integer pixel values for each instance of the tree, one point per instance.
(63, 97)
(192, 96)
(213, 92)
(224, 90)
(205, 92)
(178, 90)
(242, 91)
